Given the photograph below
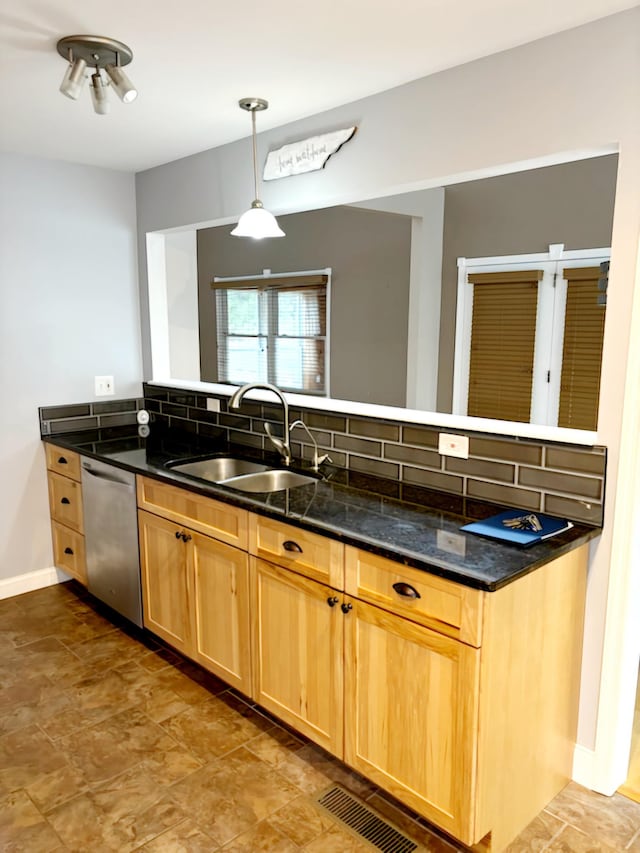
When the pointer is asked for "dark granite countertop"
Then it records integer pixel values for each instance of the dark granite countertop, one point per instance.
(421, 536)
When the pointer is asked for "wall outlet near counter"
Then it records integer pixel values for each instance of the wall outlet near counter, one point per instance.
(213, 404)
(104, 386)
(453, 445)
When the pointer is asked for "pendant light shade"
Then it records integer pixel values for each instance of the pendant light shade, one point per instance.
(257, 222)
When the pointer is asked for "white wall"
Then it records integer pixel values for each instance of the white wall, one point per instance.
(573, 92)
(69, 310)
(181, 270)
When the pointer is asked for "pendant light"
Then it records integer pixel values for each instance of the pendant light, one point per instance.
(256, 222)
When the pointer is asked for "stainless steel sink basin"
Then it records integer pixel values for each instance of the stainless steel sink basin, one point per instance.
(218, 469)
(270, 480)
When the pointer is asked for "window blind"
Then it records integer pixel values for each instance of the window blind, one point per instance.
(582, 350)
(272, 329)
(502, 344)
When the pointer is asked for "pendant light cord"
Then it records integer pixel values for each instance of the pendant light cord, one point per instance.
(255, 152)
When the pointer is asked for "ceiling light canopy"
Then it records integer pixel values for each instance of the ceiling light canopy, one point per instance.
(256, 222)
(102, 54)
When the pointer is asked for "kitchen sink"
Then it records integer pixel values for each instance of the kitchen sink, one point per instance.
(271, 480)
(217, 469)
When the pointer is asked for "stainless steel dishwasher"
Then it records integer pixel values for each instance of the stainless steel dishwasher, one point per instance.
(111, 537)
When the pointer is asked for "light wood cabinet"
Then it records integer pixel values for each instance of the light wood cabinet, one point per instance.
(166, 596)
(411, 711)
(298, 652)
(459, 702)
(195, 589)
(65, 505)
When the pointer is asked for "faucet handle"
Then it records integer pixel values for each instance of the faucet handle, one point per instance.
(324, 458)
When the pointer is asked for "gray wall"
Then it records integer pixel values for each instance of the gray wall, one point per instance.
(575, 91)
(369, 254)
(68, 311)
(512, 214)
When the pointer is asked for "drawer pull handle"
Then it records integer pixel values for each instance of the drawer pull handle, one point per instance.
(346, 607)
(65, 501)
(406, 590)
(186, 537)
(332, 600)
(62, 461)
(290, 545)
(68, 551)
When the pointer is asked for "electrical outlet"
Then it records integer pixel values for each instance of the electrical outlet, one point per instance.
(454, 543)
(213, 404)
(453, 445)
(104, 386)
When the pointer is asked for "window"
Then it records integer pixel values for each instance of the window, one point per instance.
(274, 329)
(529, 333)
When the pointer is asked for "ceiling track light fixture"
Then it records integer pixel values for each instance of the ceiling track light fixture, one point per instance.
(102, 54)
(256, 222)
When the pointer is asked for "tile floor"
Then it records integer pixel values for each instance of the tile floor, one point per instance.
(109, 742)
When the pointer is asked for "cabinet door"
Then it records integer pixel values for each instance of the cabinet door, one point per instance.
(298, 652)
(411, 704)
(165, 581)
(65, 501)
(221, 603)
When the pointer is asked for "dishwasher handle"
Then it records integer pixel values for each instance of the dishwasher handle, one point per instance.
(101, 475)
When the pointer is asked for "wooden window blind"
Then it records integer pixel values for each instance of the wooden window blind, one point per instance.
(273, 330)
(503, 332)
(582, 351)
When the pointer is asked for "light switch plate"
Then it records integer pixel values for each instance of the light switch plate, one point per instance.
(213, 404)
(453, 445)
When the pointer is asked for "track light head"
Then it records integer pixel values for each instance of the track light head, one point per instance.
(100, 53)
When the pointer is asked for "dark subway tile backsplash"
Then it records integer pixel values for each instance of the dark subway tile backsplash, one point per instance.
(393, 460)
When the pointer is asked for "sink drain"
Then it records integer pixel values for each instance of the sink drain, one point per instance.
(365, 823)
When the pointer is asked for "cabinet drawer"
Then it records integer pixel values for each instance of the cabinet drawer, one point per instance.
(63, 461)
(220, 520)
(65, 501)
(68, 551)
(310, 554)
(445, 606)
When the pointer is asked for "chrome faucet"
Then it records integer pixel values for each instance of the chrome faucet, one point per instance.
(282, 445)
(317, 459)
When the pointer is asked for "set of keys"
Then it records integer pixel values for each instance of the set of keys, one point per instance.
(523, 522)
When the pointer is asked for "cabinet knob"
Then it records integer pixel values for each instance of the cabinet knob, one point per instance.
(65, 501)
(332, 600)
(68, 551)
(406, 590)
(178, 534)
(346, 607)
(186, 537)
(62, 461)
(290, 545)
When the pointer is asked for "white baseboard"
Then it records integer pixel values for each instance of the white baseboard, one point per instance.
(30, 581)
(584, 761)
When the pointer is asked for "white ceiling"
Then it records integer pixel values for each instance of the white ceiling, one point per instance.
(193, 60)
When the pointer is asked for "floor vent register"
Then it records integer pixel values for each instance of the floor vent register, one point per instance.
(363, 822)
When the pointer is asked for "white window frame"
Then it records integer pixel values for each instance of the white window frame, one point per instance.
(269, 274)
(550, 319)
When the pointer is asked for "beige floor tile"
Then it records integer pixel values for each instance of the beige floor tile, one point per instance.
(614, 820)
(213, 728)
(571, 840)
(109, 748)
(53, 789)
(107, 650)
(31, 701)
(26, 756)
(23, 828)
(233, 794)
(186, 837)
(262, 838)
(301, 821)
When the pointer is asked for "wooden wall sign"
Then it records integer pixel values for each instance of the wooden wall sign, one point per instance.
(306, 155)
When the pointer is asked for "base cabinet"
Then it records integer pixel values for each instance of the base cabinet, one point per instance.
(65, 503)
(298, 652)
(195, 594)
(411, 712)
